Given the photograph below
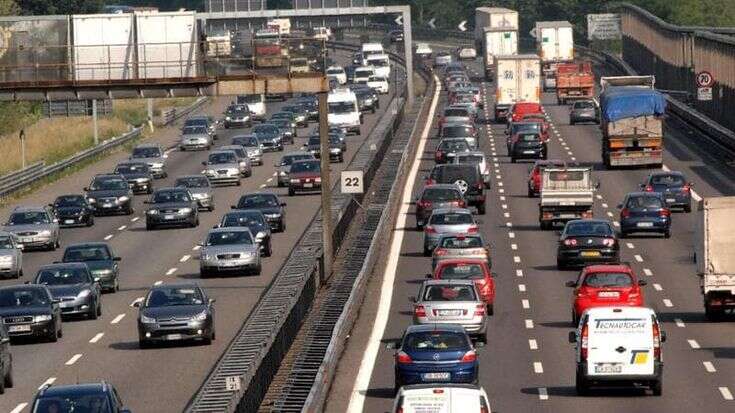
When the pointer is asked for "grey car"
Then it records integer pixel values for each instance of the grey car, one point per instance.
(476, 158)
(73, 286)
(200, 188)
(229, 250)
(585, 110)
(451, 302)
(256, 222)
(11, 256)
(252, 147)
(284, 166)
(35, 227)
(202, 120)
(223, 167)
(138, 174)
(288, 132)
(454, 246)
(101, 261)
(110, 194)
(246, 166)
(195, 137)
(447, 221)
(154, 155)
(172, 207)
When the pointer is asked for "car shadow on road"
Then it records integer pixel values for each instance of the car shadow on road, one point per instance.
(381, 393)
(558, 324)
(413, 254)
(720, 352)
(570, 391)
(687, 317)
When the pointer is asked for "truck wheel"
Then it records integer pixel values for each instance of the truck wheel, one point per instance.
(712, 314)
(581, 385)
(657, 386)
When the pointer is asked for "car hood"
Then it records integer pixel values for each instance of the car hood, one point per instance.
(67, 290)
(170, 205)
(108, 194)
(179, 311)
(24, 311)
(217, 166)
(150, 160)
(9, 252)
(230, 249)
(68, 211)
(196, 136)
(23, 228)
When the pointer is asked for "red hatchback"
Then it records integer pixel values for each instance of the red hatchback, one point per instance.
(534, 176)
(605, 286)
(477, 270)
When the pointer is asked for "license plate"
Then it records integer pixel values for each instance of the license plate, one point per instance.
(608, 368)
(567, 203)
(168, 217)
(18, 329)
(450, 313)
(567, 216)
(644, 224)
(228, 264)
(670, 200)
(529, 152)
(608, 294)
(26, 239)
(174, 337)
(68, 221)
(590, 253)
(308, 185)
(436, 376)
(106, 205)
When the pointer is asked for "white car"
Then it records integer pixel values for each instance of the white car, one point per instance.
(363, 74)
(338, 74)
(444, 398)
(424, 50)
(379, 84)
(442, 59)
(467, 52)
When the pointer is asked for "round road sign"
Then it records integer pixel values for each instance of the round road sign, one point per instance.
(705, 79)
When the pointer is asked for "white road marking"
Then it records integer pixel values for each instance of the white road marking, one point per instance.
(570, 153)
(529, 324)
(516, 259)
(19, 408)
(725, 392)
(275, 173)
(538, 368)
(604, 205)
(679, 323)
(263, 185)
(196, 248)
(49, 381)
(509, 224)
(185, 258)
(638, 258)
(498, 177)
(501, 191)
(96, 337)
(269, 180)
(118, 318)
(573, 159)
(108, 237)
(500, 183)
(122, 228)
(73, 359)
(171, 271)
(709, 366)
(522, 288)
(504, 206)
(543, 394)
(693, 344)
(630, 245)
(519, 273)
(647, 272)
(506, 214)
(502, 198)
(526, 304)
(668, 302)
(137, 300)
(598, 196)
(159, 282)
(134, 219)
(511, 235)
(532, 344)
(657, 287)
(514, 246)
(610, 214)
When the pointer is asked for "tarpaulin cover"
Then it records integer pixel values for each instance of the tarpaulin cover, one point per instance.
(626, 102)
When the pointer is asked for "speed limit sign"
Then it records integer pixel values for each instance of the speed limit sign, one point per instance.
(705, 79)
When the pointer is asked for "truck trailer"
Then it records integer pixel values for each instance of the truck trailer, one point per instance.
(714, 243)
(498, 42)
(555, 44)
(518, 79)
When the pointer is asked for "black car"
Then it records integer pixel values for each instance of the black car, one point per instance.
(255, 221)
(310, 103)
(674, 186)
(587, 241)
(237, 117)
(288, 132)
(172, 207)
(367, 98)
(206, 121)
(29, 311)
(73, 211)
(269, 137)
(467, 178)
(72, 285)
(267, 203)
(110, 194)
(527, 146)
(396, 36)
(138, 174)
(100, 260)
(86, 397)
(300, 112)
(6, 360)
(174, 313)
(314, 147)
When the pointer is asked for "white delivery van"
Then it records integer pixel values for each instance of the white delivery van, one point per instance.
(441, 398)
(380, 63)
(618, 346)
(343, 110)
(256, 105)
(338, 74)
(518, 79)
(363, 74)
(371, 49)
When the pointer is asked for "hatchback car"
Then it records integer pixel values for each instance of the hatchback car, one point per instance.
(101, 261)
(449, 148)
(138, 174)
(527, 146)
(231, 250)
(438, 353)
(447, 397)
(223, 167)
(534, 175)
(172, 207)
(11, 256)
(674, 186)
(605, 286)
(476, 158)
(86, 397)
(195, 137)
(154, 155)
(269, 204)
(254, 221)
(587, 241)
(246, 166)
(29, 311)
(110, 194)
(435, 197)
(473, 269)
(305, 176)
(175, 312)
(238, 118)
(301, 116)
(467, 177)
(447, 221)
(34, 227)
(200, 188)
(584, 110)
(252, 147)
(451, 302)
(515, 128)
(73, 210)
(451, 246)
(284, 166)
(73, 286)
(644, 212)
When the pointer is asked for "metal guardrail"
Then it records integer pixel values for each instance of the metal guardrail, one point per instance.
(172, 115)
(6, 181)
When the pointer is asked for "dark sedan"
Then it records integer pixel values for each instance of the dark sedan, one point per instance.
(437, 196)
(314, 147)
(644, 212)
(100, 260)
(288, 132)
(255, 221)
(268, 203)
(30, 311)
(172, 207)
(110, 194)
(174, 313)
(73, 211)
(84, 397)
(310, 103)
(587, 241)
(73, 286)
(300, 114)
(138, 175)
(674, 186)
(527, 146)
(269, 137)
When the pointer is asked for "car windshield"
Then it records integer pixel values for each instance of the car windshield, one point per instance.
(194, 130)
(457, 112)
(335, 71)
(462, 272)
(162, 197)
(146, 153)
(196, 122)
(29, 218)
(306, 166)
(667, 180)
(73, 403)
(29, 297)
(192, 182)
(288, 160)
(637, 202)
(239, 113)
(222, 157)
(247, 141)
(165, 297)
(236, 219)
(473, 159)
(70, 201)
(265, 130)
(584, 105)
(454, 145)
(281, 115)
(6, 243)
(449, 293)
(435, 341)
(281, 123)
(341, 107)
(457, 131)
(441, 194)
(107, 184)
(314, 141)
(608, 279)
(63, 276)
(258, 201)
(601, 229)
(249, 99)
(91, 253)
(451, 218)
(229, 238)
(131, 169)
(460, 242)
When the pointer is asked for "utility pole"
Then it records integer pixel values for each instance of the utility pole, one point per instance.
(326, 187)
(94, 122)
(22, 137)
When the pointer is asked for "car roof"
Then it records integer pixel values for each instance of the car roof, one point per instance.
(448, 261)
(119, 176)
(147, 145)
(87, 244)
(29, 209)
(295, 153)
(222, 151)
(617, 311)
(418, 328)
(74, 389)
(593, 220)
(180, 284)
(132, 162)
(450, 282)
(259, 193)
(171, 188)
(472, 153)
(667, 173)
(229, 229)
(641, 193)
(441, 186)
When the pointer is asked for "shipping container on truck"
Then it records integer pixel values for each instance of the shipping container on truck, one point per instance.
(518, 79)
(269, 49)
(219, 45)
(282, 25)
(498, 42)
(632, 121)
(168, 44)
(493, 18)
(554, 44)
(104, 46)
(714, 244)
(574, 81)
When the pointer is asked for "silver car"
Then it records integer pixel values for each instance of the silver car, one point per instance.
(454, 246)
(447, 221)
(154, 155)
(200, 189)
(252, 147)
(476, 158)
(35, 227)
(230, 250)
(222, 167)
(246, 166)
(11, 256)
(284, 166)
(195, 137)
(452, 302)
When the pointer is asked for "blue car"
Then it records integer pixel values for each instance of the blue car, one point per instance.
(673, 186)
(435, 353)
(645, 212)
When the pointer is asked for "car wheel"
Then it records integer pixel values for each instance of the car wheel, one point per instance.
(481, 209)
(530, 193)
(490, 309)
(279, 184)
(258, 270)
(269, 250)
(2, 387)
(203, 273)
(129, 211)
(427, 252)
(623, 234)
(8, 379)
(571, 122)
(396, 386)
(211, 207)
(512, 159)
(60, 333)
(90, 221)
(92, 315)
(149, 226)
(99, 309)
(667, 233)
(19, 273)
(207, 340)
(54, 336)
(575, 319)
(545, 225)
(560, 265)
(143, 343)
(581, 385)
(657, 386)
(291, 192)
(359, 132)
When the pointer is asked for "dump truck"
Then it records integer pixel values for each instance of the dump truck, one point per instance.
(567, 193)
(554, 44)
(518, 79)
(574, 81)
(632, 121)
(714, 243)
(497, 41)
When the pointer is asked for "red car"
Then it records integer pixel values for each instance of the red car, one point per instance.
(469, 269)
(534, 176)
(605, 286)
(521, 109)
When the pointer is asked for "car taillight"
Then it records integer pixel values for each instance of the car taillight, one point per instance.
(425, 204)
(686, 188)
(583, 343)
(625, 213)
(430, 230)
(649, 188)
(608, 242)
(419, 311)
(472, 230)
(634, 294)
(664, 213)
(656, 341)
(318, 180)
(403, 358)
(438, 155)
(480, 309)
(469, 357)
(440, 252)
(570, 242)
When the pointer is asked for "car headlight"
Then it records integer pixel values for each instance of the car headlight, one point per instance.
(91, 200)
(185, 211)
(248, 254)
(152, 211)
(282, 173)
(227, 118)
(335, 150)
(147, 320)
(197, 196)
(123, 199)
(201, 316)
(157, 165)
(260, 235)
(106, 271)
(41, 318)
(6, 258)
(141, 180)
(83, 293)
(45, 233)
(295, 181)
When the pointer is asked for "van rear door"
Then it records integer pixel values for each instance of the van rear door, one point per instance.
(620, 343)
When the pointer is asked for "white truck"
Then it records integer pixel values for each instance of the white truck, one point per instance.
(493, 17)
(282, 25)
(555, 44)
(567, 193)
(714, 253)
(497, 41)
(518, 79)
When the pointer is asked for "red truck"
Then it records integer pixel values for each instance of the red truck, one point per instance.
(574, 81)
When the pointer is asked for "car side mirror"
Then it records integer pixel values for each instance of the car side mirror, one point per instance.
(212, 301)
(137, 304)
(597, 185)
(642, 282)
(283, 204)
(572, 337)
(117, 259)
(204, 163)
(663, 336)
(571, 284)
(620, 206)
(233, 206)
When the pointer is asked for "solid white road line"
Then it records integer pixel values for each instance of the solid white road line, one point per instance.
(19, 408)
(543, 394)
(365, 372)
(725, 392)
(709, 366)
(73, 359)
(185, 258)
(668, 302)
(118, 318)
(538, 368)
(679, 323)
(96, 337)
(532, 344)
(529, 324)
(693, 344)
(49, 381)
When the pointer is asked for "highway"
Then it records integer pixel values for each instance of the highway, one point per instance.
(528, 364)
(163, 378)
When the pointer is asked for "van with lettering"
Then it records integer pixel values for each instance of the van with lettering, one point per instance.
(441, 398)
(618, 346)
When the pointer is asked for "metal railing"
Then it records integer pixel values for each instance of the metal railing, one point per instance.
(172, 115)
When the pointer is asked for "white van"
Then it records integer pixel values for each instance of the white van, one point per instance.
(371, 49)
(363, 74)
(343, 110)
(381, 64)
(441, 398)
(618, 346)
(256, 105)
(337, 73)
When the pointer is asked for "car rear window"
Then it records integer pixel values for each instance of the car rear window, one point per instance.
(435, 340)
(525, 127)
(456, 112)
(461, 242)
(589, 228)
(462, 272)
(452, 173)
(450, 293)
(668, 180)
(608, 279)
(528, 137)
(457, 131)
(452, 218)
(583, 105)
(454, 145)
(644, 202)
(441, 194)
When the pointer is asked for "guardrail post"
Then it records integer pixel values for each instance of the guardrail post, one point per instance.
(150, 113)
(325, 186)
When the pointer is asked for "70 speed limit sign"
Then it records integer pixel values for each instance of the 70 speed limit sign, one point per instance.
(705, 79)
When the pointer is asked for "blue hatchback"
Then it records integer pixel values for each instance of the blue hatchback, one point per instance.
(435, 353)
(645, 212)
(673, 186)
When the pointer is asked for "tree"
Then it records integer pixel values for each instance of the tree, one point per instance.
(9, 8)
(40, 7)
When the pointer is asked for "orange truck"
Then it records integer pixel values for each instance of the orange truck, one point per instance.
(574, 81)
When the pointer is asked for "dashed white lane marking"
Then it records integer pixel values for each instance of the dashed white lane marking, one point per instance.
(529, 324)
(725, 392)
(96, 337)
(275, 173)
(137, 300)
(538, 368)
(668, 302)
(501, 191)
(543, 394)
(709, 366)
(630, 245)
(196, 248)
(638, 258)
(657, 287)
(159, 282)
(511, 235)
(616, 223)
(171, 271)
(570, 153)
(498, 177)
(108, 237)
(122, 228)
(519, 273)
(19, 408)
(648, 272)
(514, 246)
(185, 258)
(49, 381)
(516, 259)
(522, 288)
(526, 304)
(118, 318)
(610, 214)
(679, 323)
(134, 219)
(506, 214)
(73, 359)
(532, 344)
(598, 196)
(604, 205)
(263, 185)
(504, 206)
(509, 224)
(693, 344)
(500, 184)
(573, 159)
(269, 180)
